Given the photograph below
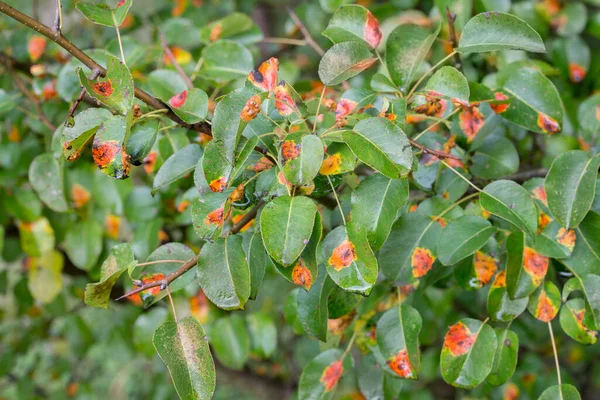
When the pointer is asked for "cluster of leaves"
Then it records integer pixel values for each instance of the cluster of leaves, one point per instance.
(421, 194)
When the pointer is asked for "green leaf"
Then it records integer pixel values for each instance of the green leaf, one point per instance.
(235, 26)
(141, 139)
(562, 392)
(226, 60)
(119, 259)
(463, 237)
(37, 237)
(475, 272)
(223, 273)
(263, 332)
(375, 204)
(166, 83)
(509, 201)
(286, 225)
(496, 158)
(525, 267)
(554, 241)
(571, 318)
(102, 14)
(85, 125)
(312, 306)
(144, 327)
(178, 165)
(398, 340)
(190, 105)
(320, 376)
(44, 276)
(545, 302)
(184, 350)
(301, 158)
(46, 178)
(343, 61)
(500, 306)
(257, 261)
(570, 187)
(450, 83)
(406, 47)
(115, 90)
(7, 102)
(338, 160)
(209, 212)
(83, 244)
(353, 23)
(468, 353)
(586, 117)
(349, 260)
(505, 360)
(230, 341)
(381, 145)
(109, 147)
(535, 103)
(493, 31)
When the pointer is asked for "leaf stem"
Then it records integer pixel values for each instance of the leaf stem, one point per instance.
(349, 346)
(337, 200)
(172, 305)
(160, 262)
(555, 358)
(416, 85)
(293, 42)
(173, 60)
(314, 129)
(436, 123)
(461, 176)
(307, 36)
(119, 38)
(447, 210)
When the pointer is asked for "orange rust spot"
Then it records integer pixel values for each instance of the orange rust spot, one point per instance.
(344, 107)
(471, 121)
(178, 100)
(391, 117)
(149, 162)
(511, 392)
(414, 118)
(14, 135)
(540, 193)
(214, 217)
(331, 164)
(150, 279)
(363, 64)
(545, 310)
(237, 218)
(547, 124)
(218, 185)
(290, 150)
(104, 152)
(431, 107)
(421, 261)
(499, 108)
(199, 306)
(180, 6)
(413, 208)
(182, 206)
(80, 195)
(576, 73)
(330, 104)
(579, 316)
(371, 31)
(446, 195)
(332, 374)
(181, 56)
(72, 389)
(282, 179)
(301, 275)
(215, 32)
(439, 220)
(535, 264)
(598, 112)
(566, 238)
(49, 90)
(112, 226)
(500, 280)
(343, 255)
(459, 339)
(263, 163)
(104, 88)
(543, 221)
(283, 101)
(400, 364)
(485, 267)
(450, 144)
(163, 237)
(265, 77)
(36, 47)
(251, 108)
(585, 146)
(135, 299)
(238, 193)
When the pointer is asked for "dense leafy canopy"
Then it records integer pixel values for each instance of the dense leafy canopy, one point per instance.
(389, 200)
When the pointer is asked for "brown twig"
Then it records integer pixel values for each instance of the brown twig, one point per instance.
(95, 74)
(307, 36)
(249, 216)
(436, 153)
(171, 56)
(453, 39)
(523, 176)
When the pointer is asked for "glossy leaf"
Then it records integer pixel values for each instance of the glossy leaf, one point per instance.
(450, 83)
(321, 375)
(505, 360)
(382, 145)
(102, 14)
(257, 261)
(570, 187)
(343, 61)
(231, 341)
(85, 125)
(119, 259)
(463, 237)
(571, 318)
(46, 178)
(190, 105)
(263, 332)
(44, 278)
(496, 158)
(141, 139)
(83, 244)
(525, 267)
(353, 23)
(235, 26)
(545, 302)
(509, 201)
(109, 147)
(493, 31)
(178, 165)
(562, 392)
(183, 348)
(500, 306)
(312, 306)
(301, 158)
(225, 60)
(468, 352)
(223, 273)
(338, 159)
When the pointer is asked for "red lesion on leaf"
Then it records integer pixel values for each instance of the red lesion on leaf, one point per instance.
(459, 339)
(332, 374)
(363, 64)
(182, 206)
(215, 32)
(439, 220)
(579, 316)
(372, 32)
(500, 280)
(344, 107)
(485, 267)
(290, 150)
(471, 121)
(15, 137)
(214, 217)
(120, 3)
(566, 238)
(499, 108)
(282, 180)
(598, 112)
(400, 364)
(331, 164)
(262, 164)
(431, 107)
(301, 275)
(265, 77)
(112, 226)
(343, 255)
(150, 279)
(218, 185)
(149, 162)
(178, 100)
(36, 47)
(545, 310)
(283, 101)
(49, 90)
(543, 221)
(540, 193)
(576, 73)
(80, 195)
(251, 108)
(421, 261)
(547, 124)
(104, 152)
(103, 88)
(413, 208)
(535, 264)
